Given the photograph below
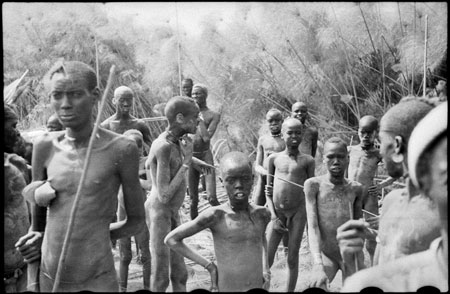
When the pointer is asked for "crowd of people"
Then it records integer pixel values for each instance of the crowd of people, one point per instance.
(134, 186)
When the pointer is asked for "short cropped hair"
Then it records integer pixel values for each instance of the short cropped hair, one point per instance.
(77, 69)
(179, 104)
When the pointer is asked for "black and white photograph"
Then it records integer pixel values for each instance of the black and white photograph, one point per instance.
(225, 146)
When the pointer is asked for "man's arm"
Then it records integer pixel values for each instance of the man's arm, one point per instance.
(174, 240)
(266, 267)
(128, 169)
(361, 193)
(310, 169)
(314, 138)
(311, 192)
(166, 186)
(145, 130)
(269, 186)
(213, 124)
(260, 158)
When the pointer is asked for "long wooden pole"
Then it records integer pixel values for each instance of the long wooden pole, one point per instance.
(425, 58)
(350, 208)
(66, 243)
(179, 49)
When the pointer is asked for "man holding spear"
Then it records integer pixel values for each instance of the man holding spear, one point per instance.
(81, 260)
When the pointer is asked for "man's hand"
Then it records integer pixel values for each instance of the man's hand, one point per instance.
(266, 280)
(187, 148)
(318, 277)
(260, 170)
(269, 191)
(350, 237)
(214, 273)
(44, 194)
(279, 226)
(373, 222)
(203, 167)
(373, 191)
(29, 246)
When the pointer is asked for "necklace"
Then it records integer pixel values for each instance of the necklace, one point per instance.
(276, 135)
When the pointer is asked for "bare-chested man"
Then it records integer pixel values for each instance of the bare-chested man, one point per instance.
(427, 161)
(267, 144)
(238, 230)
(286, 201)
(309, 133)
(53, 124)
(331, 200)
(143, 238)
(168, 162)
(123, 120)
(363, 165)
(409, 220)
(16, 213)
(57, 167)
(202, 139)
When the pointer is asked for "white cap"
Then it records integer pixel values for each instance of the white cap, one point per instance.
(427, 130)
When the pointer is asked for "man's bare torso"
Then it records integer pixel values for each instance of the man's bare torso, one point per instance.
(406, 226)
(199, 144)
(271, 145)
(309, 135)
(363, 164)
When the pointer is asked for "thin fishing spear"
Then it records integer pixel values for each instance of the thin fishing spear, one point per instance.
(66, 243)
(179, 49)
(425, 57)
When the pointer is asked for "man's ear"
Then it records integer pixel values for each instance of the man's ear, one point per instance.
(179, 118)
(398, 145)
(96, 94)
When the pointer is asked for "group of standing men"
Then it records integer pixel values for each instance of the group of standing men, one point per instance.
(330, 205)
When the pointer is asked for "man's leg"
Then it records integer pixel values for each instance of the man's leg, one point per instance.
(273, 239)
(194, 177)
(211, 180)
(143, 239)
(371, 205)
(296, 228)
(178, 271)
(159, 228)
(331, 267)
(125, 259)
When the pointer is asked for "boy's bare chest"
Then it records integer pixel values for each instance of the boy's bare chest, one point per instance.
(290, 165)
(241, 229)
(272, 145)
(363, 159)
(121, 126)
(340, 195)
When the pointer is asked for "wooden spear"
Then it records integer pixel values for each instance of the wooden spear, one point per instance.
(350, 209)
(66, 243)
(425, 58)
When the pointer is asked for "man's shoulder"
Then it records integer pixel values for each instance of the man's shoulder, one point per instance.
(48, 137)
(398, 275)
(314, 181)
(259, 209)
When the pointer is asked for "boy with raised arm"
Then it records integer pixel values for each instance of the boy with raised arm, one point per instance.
(267, 144)
(331, 200)
(287, 171)
(363, 164)
(168, 161)
(58, 160)
(238, 229)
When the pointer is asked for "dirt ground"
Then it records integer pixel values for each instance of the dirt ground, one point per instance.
(198, 277)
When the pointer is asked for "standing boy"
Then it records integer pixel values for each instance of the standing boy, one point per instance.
(142, 238)
(363, 164)
(58, 159)
(287, 171)
(207, 126)
(267, 144)
(238, 229)
(309, 133)
(168, 161)
(331, 200)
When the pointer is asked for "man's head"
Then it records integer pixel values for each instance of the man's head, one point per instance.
(292, 132)
(186, 87)
(53, 124)
(396, 126)
(427, 159)
(200, 93)
(182, 112)
(299, 111)
(335, 156)
(11, 134)
(367, 131)
(73, 92)
(137, 136)
(236, 177)
(123, 100)
(275, 119)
